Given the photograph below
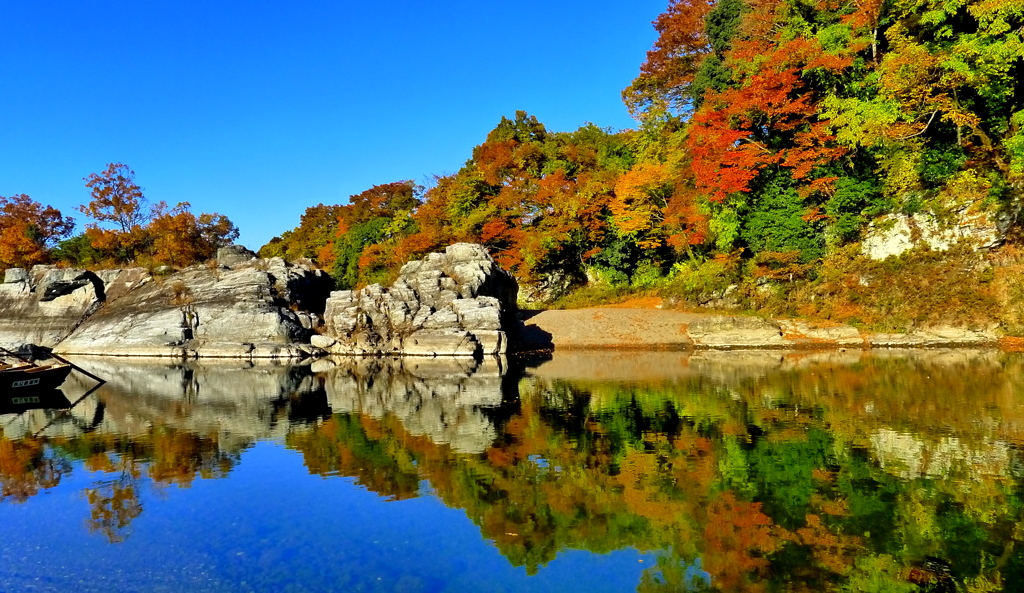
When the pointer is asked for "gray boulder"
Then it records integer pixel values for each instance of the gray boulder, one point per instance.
(233, 255)
(12, 275)
(453, 303)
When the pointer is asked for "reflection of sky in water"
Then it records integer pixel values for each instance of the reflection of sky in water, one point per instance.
(740, 468)
(270, 526)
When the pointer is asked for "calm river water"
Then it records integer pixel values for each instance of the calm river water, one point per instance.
(603, 471)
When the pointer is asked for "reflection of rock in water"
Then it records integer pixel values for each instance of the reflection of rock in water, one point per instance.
(910, 456)
(731, 366)
(440, 398)
(236, 401)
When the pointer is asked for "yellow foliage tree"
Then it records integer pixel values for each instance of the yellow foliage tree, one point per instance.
(638, 209)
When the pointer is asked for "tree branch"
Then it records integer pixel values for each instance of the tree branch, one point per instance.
(923, 130)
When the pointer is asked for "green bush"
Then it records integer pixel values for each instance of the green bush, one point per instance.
(647, 275)
(697, 282)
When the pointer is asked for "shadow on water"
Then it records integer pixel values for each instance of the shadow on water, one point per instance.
(741, 471)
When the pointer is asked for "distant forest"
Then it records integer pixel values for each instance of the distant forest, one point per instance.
(772, 136)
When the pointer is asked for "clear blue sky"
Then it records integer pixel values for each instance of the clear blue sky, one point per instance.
(258, 109)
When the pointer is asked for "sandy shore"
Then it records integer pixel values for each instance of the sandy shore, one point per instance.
(677, 330)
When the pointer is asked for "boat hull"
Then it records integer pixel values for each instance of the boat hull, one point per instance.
(18, 382)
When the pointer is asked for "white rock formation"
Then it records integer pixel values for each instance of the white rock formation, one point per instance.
(455, 303)
(211, 312)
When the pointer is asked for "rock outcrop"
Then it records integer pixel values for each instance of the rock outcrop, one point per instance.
(230, 256)
(951, 222)
(44, 305)
(458, 302)
(455, 303)
(259, 309)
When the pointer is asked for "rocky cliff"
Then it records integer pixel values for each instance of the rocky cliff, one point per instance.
(238, 307)
(455, 303)
(44, 305)
(254, 309)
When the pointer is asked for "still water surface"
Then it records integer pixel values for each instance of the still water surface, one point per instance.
(603, 471)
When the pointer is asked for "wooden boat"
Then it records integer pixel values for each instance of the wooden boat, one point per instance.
(24, 378)
(26, 385)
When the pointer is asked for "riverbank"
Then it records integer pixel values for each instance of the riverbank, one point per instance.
(458, 302)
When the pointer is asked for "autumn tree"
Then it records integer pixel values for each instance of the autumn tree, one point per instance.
(538, 200)
(116, 198)
(128, 228)
(29, 231)
(381, 214)
(317, 229)
(666, 77)
(180, 238)
(120, 212)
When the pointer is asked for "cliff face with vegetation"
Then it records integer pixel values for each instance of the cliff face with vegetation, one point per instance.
(862, 163)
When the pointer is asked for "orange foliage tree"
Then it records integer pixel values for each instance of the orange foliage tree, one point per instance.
(313, 238)
(154, 234)
(539, 200)
(117, 201)
(181, 238)
(28, 230)
(378, 217)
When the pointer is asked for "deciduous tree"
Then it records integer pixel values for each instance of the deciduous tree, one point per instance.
(29, 230)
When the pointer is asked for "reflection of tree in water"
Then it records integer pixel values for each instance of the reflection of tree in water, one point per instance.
(27, 466)
(780, 481)
(114, 503)
(130, 466)
(154, 427)
(345, 445)
(883, 474)
(163, 456)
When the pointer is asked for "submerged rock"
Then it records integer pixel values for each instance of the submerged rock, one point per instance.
(455, 303)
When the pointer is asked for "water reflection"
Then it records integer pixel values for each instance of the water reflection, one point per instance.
(742, 471)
